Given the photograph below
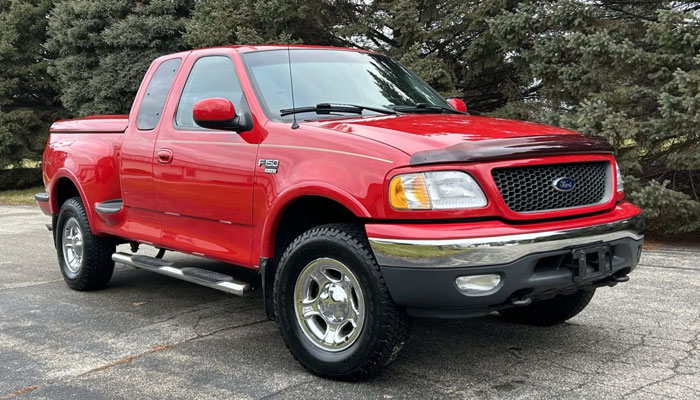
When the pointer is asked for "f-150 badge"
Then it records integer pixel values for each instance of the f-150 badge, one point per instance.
(271, 166)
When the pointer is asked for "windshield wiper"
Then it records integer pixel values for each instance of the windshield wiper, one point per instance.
(327, 108)
(426, 107)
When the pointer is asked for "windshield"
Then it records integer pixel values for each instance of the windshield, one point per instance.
(335, 77)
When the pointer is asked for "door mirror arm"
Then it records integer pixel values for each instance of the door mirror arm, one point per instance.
(243, 123)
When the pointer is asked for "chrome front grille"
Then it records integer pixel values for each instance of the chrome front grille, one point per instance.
(532, 188)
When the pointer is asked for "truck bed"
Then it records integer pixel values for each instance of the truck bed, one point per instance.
(92, 124)
(86, 152)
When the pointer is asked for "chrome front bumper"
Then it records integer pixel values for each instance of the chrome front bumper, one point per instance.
(496, 250)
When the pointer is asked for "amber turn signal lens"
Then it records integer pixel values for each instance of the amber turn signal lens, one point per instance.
(397, 197)
(409, 192)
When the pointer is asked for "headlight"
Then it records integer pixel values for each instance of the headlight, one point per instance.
(438, 190)
(620, 181)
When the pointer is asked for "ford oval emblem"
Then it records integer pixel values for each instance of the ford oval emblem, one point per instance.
(564, 184)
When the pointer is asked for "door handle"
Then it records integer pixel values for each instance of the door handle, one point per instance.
(164, 156)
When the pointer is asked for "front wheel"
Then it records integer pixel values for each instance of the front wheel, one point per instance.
(333, 307)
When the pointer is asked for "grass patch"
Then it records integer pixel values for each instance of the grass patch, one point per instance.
(20, 197)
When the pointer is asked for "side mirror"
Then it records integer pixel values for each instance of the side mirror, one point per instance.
(216, 113)
(458, 105)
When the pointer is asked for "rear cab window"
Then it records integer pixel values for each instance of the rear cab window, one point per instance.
(151, 108)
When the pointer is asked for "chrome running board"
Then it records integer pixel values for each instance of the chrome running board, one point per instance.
(203, 277)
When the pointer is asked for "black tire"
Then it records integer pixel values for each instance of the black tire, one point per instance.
(96, 266)
(386, 326)
(552, 311)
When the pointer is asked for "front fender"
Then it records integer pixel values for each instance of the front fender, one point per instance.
(287, 197)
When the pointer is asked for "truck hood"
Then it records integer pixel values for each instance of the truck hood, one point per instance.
(418, 132)
(434, 138)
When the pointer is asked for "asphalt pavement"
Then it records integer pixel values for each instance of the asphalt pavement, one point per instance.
(150, 336)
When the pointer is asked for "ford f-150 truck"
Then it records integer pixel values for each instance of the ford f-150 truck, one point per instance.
(360, 196)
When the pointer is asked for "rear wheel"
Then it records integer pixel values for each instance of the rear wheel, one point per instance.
(333, 307)
(85, 259)
(552, 311)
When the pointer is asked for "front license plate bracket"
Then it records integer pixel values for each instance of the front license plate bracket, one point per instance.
(590, 263)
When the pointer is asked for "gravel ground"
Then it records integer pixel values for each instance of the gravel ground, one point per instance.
(149, 336)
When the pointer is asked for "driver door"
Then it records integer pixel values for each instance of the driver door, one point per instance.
(203, 179)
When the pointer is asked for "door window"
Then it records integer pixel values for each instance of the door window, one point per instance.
(211, 76)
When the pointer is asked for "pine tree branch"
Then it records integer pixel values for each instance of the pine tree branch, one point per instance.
(692, 186)
(380, 36)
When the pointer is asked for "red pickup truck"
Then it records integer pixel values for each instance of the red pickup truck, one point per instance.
(360, 196)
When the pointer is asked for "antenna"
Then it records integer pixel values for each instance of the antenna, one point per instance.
(295, 125)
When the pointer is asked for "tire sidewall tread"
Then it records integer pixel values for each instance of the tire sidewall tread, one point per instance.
(386, 328)
(97, 265)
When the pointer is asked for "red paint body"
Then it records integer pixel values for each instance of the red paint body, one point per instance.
(203, 192)
(458, 104)
(215, 109)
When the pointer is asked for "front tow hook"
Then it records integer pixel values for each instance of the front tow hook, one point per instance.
(620, 279)
(612, 280)
(521, 302)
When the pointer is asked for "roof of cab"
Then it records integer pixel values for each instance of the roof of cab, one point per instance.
(264, 47)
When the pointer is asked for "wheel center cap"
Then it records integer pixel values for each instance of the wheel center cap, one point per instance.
(334, 305)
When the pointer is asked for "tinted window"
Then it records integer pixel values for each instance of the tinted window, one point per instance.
(156, 93)
(213, 76)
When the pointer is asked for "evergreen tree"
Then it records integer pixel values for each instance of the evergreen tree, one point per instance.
(626, 70)
(228, 22)
(104, 47)
(448, 42)
(27, 93)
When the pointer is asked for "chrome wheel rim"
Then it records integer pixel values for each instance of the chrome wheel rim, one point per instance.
(72, 243)
(329, 304)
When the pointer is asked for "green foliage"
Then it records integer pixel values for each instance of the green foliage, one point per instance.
(625, 70)
(666, 210)
(628, 70)
(449, 43)
(226, 22)
(27, 92)
(103, 48)
(20, 178)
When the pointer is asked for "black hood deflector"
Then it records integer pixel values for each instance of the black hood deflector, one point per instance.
(511, 148)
